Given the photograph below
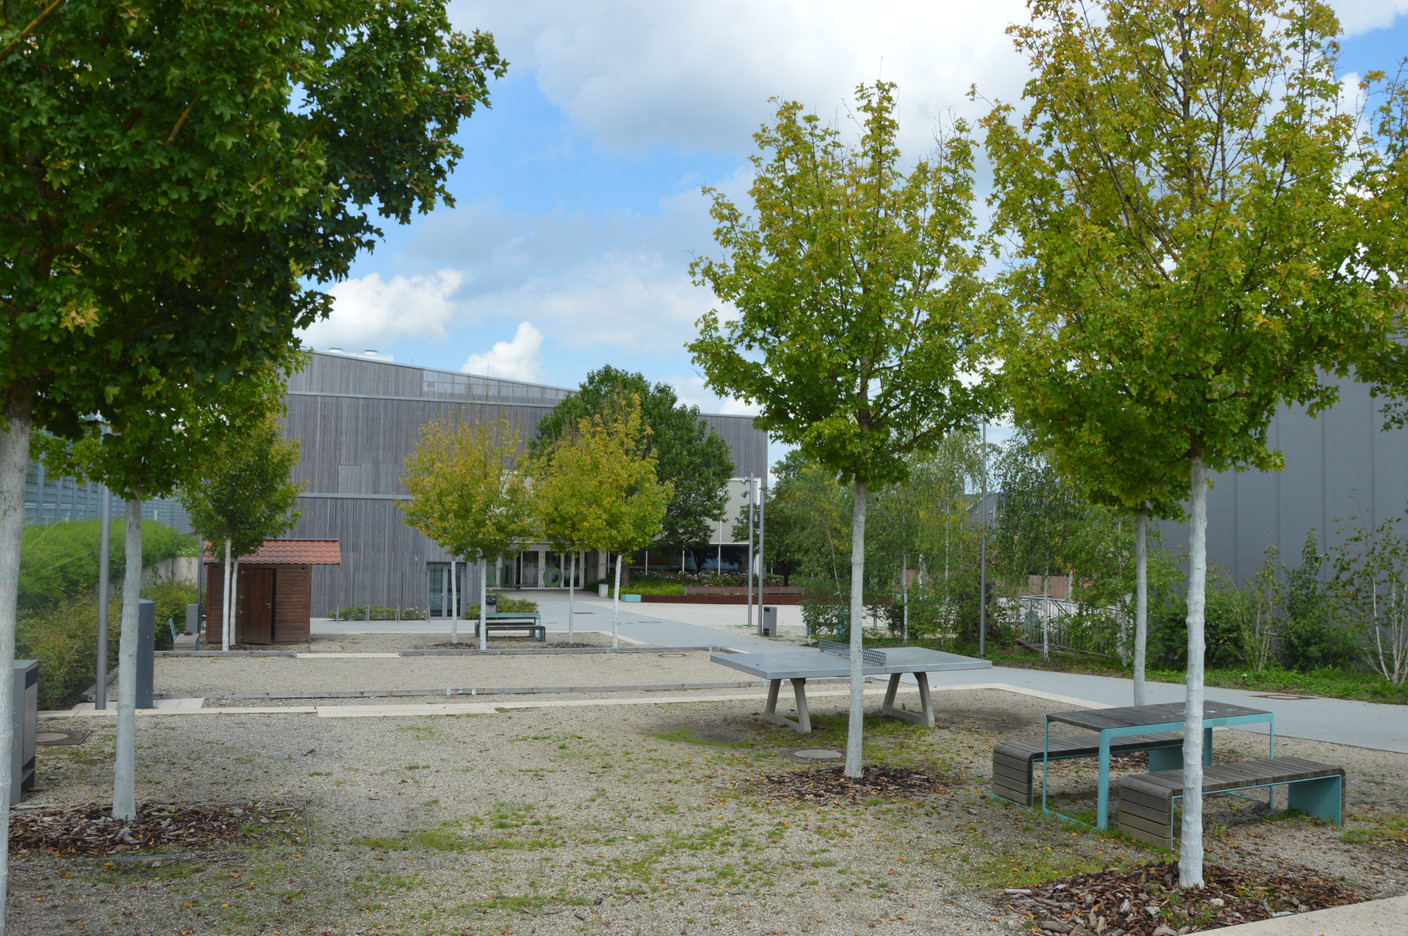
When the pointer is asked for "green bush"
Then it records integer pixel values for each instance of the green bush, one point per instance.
(1311, 636)
(378, 613)
(63, 638)
(506, 605)
(1224, 628)
(60, 561)
(171, 599)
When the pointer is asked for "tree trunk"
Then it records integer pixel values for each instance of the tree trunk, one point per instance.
(14, 457)
(483, 603)
(1190, 854)
(124, 775)
(856, 729)
(455, 606)
(616, 600)
(227, 606)
(571, 596)
(1141, 600)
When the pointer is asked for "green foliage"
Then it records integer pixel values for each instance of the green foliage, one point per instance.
(652, 585)
(1370, 590)
(378, 613)
(506, 604)
(1226, 627)
(691, 457)
(467, 493)
(243, 491)
(1311, 634)
(170, 599)
(60, 561)
(594, 487)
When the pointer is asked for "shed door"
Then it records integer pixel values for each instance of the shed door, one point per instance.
(255, 621)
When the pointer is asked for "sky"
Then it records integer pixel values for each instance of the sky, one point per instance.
(578, 204)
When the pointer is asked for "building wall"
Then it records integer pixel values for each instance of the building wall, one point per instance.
(356, 420)
(1341, 468)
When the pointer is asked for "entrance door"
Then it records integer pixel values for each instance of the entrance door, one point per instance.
(254, 619)
(438, 588)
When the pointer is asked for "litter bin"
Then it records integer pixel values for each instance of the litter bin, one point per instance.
(25, 723)
(768, 625)
(146, 652)
(192, 619)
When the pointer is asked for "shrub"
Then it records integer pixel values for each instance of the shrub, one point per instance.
(61, 560)
(378, 613)
(1224, 627)
(63, 638)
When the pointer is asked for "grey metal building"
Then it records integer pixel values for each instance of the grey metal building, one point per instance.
(1341, 468)
(357, 418)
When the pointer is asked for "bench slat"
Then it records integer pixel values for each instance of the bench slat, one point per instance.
(1017, 759)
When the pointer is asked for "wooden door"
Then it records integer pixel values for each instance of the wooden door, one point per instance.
(255, 620)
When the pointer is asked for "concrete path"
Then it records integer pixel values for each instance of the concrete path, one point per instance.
(1359, 724)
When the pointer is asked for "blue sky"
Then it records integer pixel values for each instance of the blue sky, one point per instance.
(578, 200)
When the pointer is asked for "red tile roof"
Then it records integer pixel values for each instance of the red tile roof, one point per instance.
(284, 552)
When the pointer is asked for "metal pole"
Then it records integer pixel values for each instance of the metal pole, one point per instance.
(100, 686)
(749, 495)
(983, 556)
(762, 565)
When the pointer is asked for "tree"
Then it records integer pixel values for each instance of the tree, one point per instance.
(243, 493)
(468, 494)
(694, 459)
(1179, 186)
(595, 487)
(145, 452)
(857, 293)
(177, 179)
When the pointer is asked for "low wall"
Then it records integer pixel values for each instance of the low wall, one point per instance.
(740, 598)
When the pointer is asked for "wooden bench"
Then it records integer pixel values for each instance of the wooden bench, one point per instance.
(1147, 800)
(529, 623)
(1013, 762)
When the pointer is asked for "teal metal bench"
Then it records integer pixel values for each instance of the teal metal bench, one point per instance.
(1013, 762)
(529, 623)
(1147, 800)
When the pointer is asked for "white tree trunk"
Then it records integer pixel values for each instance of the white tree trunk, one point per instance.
(856, 728)
(483, 604)
(455, 606)
(227, 607)
(124, 774)
(616, 600)
(571, 595)
(14, 457)
(1141, 601)
(1190, 854)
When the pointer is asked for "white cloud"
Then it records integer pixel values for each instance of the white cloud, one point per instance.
(1360, 16)
(693, 391)
(699, 75)
(518, 359)
(372, 313)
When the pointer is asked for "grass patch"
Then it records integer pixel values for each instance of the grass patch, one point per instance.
(1385, 829)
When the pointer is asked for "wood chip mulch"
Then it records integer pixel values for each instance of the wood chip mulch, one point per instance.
(1148, 902)
(830, 783)
(159, 828)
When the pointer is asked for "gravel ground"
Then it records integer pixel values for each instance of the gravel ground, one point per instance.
(630, 817)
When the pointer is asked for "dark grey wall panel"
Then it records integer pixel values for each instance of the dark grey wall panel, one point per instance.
(357, 419)
(1338, 467)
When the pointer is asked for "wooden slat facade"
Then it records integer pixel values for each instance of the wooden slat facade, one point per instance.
(356, 419)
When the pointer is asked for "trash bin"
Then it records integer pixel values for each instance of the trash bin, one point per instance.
(146, 652)
(25, 724)
(491, 604)
(767, 626)
(192, 619)
(603, 590)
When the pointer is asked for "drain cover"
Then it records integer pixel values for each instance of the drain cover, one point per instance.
(1284, 696)
(819, 754)
(60, 737)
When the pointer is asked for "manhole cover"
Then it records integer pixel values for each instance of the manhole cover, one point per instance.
(60, 737)
(819, 754)
(1284, 697)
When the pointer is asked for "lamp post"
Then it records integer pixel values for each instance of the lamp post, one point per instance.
(983, 554)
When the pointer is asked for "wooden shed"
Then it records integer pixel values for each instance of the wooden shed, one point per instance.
(273, 595)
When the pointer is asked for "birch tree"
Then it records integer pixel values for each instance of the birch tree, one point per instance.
(857, 289)
(470, 496)
(1178, 187)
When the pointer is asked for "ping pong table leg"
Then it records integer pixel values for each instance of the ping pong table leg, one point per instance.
(925, 715)
(803, 724)
(804, 718)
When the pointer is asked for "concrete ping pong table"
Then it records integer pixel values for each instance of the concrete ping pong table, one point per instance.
(831, 659)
